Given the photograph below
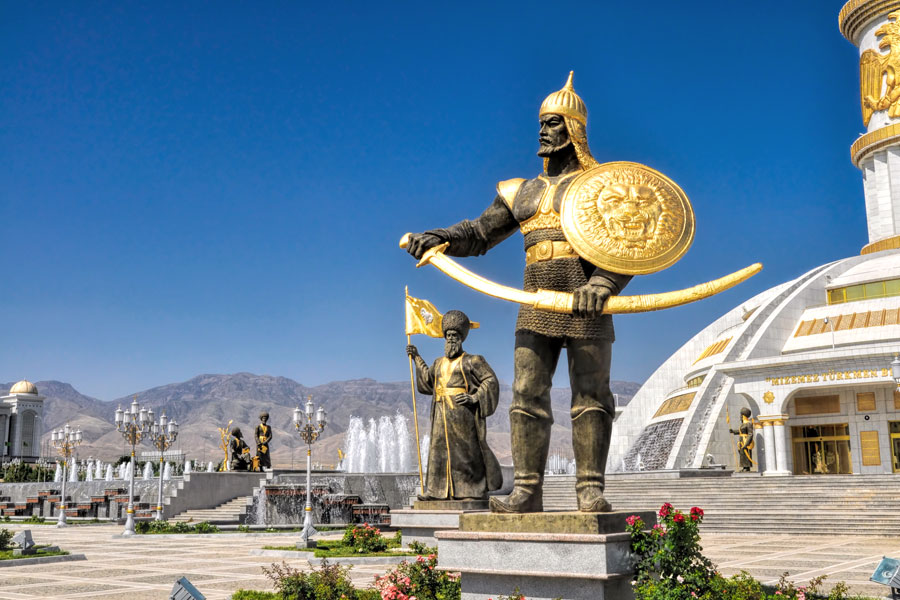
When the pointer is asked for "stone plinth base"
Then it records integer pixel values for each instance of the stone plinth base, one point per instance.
(568, 555)
(464, 505)
(419, 525)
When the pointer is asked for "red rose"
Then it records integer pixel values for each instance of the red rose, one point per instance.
(665, 510)
(696, 513)
(633, 519)
(678, 518)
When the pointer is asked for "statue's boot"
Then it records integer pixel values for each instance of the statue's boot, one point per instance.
(591, 431)
(530, 446)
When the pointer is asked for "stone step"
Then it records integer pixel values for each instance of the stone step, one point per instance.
(227, 512)
(817, 505)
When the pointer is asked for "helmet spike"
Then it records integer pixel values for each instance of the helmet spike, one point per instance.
(568, 85)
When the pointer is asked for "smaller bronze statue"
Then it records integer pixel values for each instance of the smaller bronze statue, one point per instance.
(240, 451)
(745, 442)
(461, 465)
(263, 437)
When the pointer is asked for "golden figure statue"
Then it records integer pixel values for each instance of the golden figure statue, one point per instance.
(587, 229)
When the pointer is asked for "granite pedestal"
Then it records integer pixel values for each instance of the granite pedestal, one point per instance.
(420, 523)
(568, 555)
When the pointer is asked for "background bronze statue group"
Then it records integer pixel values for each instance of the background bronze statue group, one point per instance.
(241, 459)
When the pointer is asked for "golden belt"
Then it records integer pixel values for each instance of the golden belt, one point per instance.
(548, 250)
(446, 394)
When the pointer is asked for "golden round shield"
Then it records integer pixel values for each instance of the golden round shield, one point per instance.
(627, 218)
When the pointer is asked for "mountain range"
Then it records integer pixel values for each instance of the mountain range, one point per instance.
(205, 403)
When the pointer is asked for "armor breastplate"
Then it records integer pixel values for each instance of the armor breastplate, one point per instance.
(543, 214)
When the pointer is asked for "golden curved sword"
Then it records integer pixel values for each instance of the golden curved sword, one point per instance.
(561, 302)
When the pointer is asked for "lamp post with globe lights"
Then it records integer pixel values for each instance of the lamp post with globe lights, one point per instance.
(133, 424)
(65, 440)
(162, 435)
(309, 430)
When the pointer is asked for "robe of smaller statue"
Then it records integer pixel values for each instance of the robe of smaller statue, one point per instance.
(461, 465)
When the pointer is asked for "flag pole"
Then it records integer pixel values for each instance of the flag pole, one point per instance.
(412, 386)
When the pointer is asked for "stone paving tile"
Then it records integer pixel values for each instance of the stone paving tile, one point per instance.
(144, 568)
(45, 591)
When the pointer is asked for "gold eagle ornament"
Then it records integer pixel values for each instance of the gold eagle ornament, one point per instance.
(878, 86)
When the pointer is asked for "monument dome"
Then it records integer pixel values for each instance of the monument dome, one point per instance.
(810, 357)
(23, 387)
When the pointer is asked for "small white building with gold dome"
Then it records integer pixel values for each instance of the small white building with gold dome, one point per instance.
(811, 357)
(21, 422)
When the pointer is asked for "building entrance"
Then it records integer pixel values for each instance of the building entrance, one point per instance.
(895, 445)
(822, 449)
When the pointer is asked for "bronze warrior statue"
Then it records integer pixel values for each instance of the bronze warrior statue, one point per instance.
(263, 437)
(461, 465)
(240, 451)
(745, 443)
(533, 206)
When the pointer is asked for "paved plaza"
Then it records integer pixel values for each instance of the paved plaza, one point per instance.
(145, 567)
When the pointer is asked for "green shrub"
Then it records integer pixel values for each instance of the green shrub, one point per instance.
(181, 527)
(420, 579)
(254, 595)
(205, 527)
(421, 549)
(6, 537)
(243, 528)
(328, 582)
(34, 520)
(364, 539)
(670, 566)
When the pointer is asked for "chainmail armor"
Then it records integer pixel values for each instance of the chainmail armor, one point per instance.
(564, 275)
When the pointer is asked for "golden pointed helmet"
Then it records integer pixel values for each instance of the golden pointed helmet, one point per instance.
(565, 102)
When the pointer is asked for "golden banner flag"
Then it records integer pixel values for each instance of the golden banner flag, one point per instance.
(423, 317)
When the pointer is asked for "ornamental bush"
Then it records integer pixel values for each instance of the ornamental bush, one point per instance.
(6, 537)
(671, 566)
(364, 539)
(328, 582)
(418, 580)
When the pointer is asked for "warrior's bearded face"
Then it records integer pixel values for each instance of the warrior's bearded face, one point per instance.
(554, 135)
(452, 343)
(631, 213)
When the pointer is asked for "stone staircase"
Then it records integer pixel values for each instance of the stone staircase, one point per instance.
(817, 504)
(227, 513)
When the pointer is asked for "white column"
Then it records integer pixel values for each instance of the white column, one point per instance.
(781, 446)
(769, 440)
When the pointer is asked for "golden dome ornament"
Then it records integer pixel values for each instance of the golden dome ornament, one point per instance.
(627, 218)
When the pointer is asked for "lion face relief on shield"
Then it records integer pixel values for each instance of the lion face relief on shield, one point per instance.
(631, 213)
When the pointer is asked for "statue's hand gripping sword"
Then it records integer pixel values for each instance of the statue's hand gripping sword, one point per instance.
(561, 302)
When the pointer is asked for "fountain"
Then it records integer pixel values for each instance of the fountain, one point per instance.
(148, 471)
(89, 472)
(73, 472)
(187, 467)
(382, 447)
(57, 475)
(209, 467)
(426, 443)
(109, 473)
(98, 470)
(167, 472)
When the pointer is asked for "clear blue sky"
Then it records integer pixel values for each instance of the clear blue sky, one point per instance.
(216, 187)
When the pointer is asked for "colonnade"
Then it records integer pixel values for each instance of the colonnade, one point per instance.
(774, 437)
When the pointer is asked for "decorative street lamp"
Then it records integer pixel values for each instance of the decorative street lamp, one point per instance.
(162, 435)
(309, 431)
(133, 424)
(64, 440)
